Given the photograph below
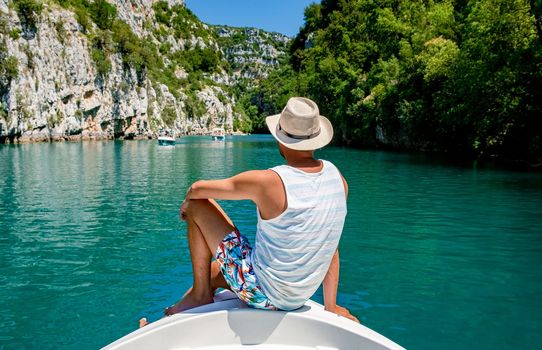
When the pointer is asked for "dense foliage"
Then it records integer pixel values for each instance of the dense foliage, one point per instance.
(462, 76)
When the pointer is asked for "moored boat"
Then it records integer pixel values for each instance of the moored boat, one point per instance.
(218, 134)
(229, 324)
(166, 141)
(165, 138)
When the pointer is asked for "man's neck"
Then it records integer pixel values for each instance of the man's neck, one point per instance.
(307, 164)
(302, 162)
(299, 159)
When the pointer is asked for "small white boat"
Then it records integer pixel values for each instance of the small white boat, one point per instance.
(218, 134)
(229, 324)
(166, 141)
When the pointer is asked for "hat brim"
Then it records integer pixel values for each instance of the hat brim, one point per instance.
(319, 141)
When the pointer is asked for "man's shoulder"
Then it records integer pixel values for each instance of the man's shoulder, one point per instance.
(268, 179)
(332, 165)
(265, 175)
(329, 164)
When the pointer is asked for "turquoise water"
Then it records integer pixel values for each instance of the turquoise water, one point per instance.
(434, 255)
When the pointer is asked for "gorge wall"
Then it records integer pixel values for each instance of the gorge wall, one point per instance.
(74, 70)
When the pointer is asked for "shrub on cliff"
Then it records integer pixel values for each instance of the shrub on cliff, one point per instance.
(136, 52)
(195, 108)
(205, 60)
(100, 51)
(3, 112)
(103, 14)
(9, 68)
(82, 17)
(162, 12)
(28, 11)
(169, 115)
(243, 124)
(103, 64)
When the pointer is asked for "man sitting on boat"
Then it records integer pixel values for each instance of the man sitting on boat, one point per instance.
(301, 212)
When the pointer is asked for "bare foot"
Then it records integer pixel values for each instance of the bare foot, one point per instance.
(143, 322)
(189, 301)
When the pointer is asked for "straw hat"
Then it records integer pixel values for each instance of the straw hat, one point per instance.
(300, 126)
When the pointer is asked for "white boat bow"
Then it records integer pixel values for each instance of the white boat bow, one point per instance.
(229, 324)
(166, 141)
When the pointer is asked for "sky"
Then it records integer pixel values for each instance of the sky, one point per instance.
(283, 16)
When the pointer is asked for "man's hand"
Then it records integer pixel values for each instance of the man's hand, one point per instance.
(341, 311)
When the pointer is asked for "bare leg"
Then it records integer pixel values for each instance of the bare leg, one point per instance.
(212, 221)
(200, 293)
(207, 227)
(217, 279)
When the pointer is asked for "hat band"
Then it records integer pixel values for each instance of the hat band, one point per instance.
(299, 137)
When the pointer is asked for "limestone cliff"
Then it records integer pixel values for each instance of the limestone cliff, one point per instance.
(252, 52)
(73, 70)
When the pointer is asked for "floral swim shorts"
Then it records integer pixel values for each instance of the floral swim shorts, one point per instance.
(234, 257)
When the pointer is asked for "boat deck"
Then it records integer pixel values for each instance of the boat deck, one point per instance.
(230, 324)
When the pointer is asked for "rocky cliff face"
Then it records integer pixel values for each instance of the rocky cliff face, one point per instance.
(131, 70)
(252, 52)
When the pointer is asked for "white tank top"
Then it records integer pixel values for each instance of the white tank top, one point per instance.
(294, 250)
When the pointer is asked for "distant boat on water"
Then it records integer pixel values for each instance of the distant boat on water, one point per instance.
(166, 139)
(218, 134)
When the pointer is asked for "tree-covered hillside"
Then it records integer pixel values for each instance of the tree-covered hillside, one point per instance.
(455, 75)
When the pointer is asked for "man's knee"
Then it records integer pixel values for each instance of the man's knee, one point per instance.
(196, 206)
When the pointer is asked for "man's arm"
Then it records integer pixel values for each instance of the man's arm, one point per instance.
(330, 284)
(245, 185)
(331, 280)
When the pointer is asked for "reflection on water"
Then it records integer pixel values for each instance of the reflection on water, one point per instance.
(431, 253)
